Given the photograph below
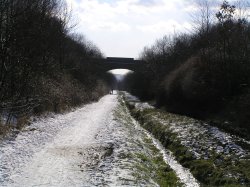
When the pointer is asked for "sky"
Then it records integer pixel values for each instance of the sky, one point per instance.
(122, 28)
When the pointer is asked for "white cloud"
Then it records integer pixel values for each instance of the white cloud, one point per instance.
(165, 27)
(148, 2)
(94, 12)
(191, 8)
(110, 26)
(130, 20)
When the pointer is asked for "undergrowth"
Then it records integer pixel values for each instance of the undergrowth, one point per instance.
(4, 129)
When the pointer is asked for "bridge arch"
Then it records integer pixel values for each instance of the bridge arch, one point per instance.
(118, 76)
(112, 63)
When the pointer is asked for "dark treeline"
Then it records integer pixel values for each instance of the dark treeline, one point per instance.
(203, 73)
(42, 66)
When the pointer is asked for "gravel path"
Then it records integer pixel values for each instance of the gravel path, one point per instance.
(50, 152)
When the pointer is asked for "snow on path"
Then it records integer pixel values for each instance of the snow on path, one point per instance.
(50, 152)
(82, 148)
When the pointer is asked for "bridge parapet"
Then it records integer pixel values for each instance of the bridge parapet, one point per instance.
(121, 60)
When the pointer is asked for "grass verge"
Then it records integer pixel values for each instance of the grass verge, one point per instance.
(148, 164)
(218, 170)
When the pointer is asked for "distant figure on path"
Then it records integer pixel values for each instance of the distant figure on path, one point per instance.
(111, 91)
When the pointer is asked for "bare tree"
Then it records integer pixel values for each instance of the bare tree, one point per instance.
(242, 10)
(203, 15)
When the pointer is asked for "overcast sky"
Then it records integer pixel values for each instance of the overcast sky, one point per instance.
(123, 27)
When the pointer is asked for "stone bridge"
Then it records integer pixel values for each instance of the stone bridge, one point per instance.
(121, 63)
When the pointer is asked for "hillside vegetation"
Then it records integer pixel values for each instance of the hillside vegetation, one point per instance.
(203, 73)
(43, 65)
